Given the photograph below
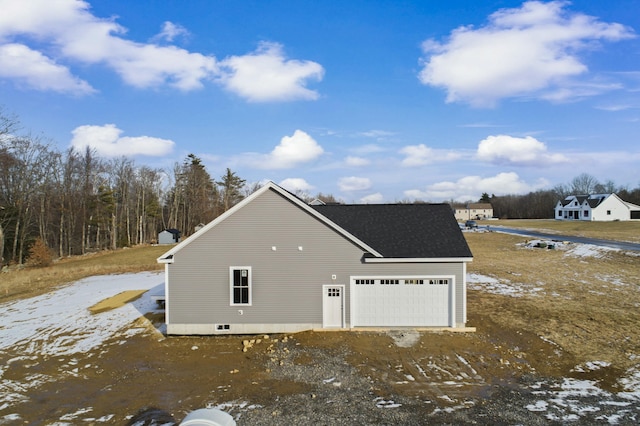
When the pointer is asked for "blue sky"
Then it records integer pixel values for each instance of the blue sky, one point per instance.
(371, 101)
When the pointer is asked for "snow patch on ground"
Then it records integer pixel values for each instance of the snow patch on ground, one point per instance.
(591, 366)
(503, 287)
(383, 403)
(570, 249)
(589, 250)
(573, 400)
(59, 324)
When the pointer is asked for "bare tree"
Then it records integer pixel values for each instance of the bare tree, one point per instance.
(8, 125)
(561, 191)
(1, 240)
(609, 187)
(148, 191)
(91, 166)
(193, 198)
(251, 188)
(584, 184)
(25, 168)
(69, 192)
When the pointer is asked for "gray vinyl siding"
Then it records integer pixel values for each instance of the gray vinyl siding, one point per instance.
(286, 283)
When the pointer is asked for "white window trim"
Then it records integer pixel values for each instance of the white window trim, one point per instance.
(234, 268)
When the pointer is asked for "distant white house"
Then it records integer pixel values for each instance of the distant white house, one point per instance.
(596, 207)
(474, 211)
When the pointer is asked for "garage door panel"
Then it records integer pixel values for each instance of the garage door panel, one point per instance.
(402, 304)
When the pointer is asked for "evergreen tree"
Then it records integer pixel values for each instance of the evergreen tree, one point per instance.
(231, 189)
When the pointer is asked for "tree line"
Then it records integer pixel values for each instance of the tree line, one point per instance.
(541, 204)
(76, 202)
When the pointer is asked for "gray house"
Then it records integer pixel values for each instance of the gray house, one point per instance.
(275, 264)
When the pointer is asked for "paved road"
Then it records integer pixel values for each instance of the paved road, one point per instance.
(583, 240)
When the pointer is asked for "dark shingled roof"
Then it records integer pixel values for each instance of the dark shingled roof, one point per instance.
(402, 230)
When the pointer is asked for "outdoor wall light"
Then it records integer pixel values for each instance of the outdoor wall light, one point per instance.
(299, 248)
(274, 248)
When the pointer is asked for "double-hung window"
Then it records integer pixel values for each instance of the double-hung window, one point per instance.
(240, 282)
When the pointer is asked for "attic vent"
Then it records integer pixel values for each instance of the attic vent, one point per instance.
(222, 327)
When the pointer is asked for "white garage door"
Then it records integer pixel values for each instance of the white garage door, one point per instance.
(401, 302)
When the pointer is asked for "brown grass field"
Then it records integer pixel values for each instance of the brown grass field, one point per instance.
(587, 305)
(31, 281)
(617, 231)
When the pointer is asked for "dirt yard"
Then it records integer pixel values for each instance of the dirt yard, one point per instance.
(557, 341)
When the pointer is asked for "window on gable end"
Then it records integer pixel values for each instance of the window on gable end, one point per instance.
(240, 283)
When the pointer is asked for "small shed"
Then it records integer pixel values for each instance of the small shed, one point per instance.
(169, 236)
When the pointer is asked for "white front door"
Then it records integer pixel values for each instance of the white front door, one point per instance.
(333, 306)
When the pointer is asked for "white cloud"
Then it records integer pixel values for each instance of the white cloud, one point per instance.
(527, 51)
(170, 31)
(72, 32)
(33, 69)
(376, 198)
(266, 75)
(106, 141)
(296, 185)
(472, 187)
(419, 155)
(416, 155)
(147, 66)
(290, 152)
(67, 31)
(356, 161)
(353, 183)
(503, 149)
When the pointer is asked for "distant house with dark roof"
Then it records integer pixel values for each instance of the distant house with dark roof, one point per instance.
(275, 264)
(596, 207)
(474, 211)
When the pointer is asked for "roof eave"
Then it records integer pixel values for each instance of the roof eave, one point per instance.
(165, 259)
(417, 259)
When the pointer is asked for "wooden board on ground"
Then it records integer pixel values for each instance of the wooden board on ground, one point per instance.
(116, 301)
